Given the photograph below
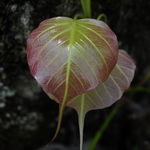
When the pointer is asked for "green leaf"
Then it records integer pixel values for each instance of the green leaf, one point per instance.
(69, 57)
(106, 93)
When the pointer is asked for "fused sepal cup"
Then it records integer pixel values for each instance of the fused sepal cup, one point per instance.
(78, 64)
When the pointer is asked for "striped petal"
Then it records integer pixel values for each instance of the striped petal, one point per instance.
(69, 57)
(106, 93)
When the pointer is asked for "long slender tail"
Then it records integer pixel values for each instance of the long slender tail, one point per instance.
(61, 110)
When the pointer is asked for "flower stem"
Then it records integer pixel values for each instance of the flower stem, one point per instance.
(102, 17)
(86, 6)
